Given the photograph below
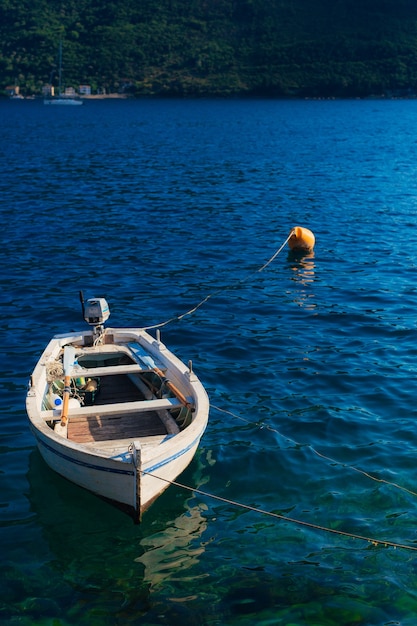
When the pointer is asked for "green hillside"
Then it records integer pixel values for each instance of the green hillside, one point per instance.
(213, 47)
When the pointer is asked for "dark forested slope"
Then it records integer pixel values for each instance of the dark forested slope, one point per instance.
(213, 47)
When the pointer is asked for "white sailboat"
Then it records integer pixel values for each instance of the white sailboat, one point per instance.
(62, 99)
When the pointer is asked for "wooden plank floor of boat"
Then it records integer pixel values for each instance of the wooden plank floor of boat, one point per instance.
(116, 388)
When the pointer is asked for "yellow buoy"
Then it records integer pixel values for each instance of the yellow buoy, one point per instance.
(301, 239)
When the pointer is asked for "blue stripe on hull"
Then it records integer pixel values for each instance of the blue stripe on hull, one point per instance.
(69, 459)
(126, 472)
(155, 467)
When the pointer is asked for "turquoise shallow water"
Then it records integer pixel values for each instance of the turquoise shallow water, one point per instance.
(309, 364)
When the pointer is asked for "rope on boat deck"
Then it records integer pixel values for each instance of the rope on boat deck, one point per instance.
(176, 318)
(319, 454)
(285, 518)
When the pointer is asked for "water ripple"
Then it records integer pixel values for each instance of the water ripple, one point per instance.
(155, 205)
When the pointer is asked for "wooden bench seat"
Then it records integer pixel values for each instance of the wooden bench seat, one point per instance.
(96, 372)
(120, 408)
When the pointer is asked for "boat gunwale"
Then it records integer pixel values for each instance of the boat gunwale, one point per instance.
(199, 398)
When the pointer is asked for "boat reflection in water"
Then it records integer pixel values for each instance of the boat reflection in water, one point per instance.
(88, 551)
(176, 548)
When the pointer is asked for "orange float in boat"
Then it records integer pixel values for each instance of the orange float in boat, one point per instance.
(301, 239)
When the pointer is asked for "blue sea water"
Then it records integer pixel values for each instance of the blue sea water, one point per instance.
(310, 364)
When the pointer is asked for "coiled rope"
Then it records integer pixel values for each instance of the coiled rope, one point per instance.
(195, 308)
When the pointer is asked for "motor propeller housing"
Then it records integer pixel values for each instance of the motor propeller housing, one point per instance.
(96, 311)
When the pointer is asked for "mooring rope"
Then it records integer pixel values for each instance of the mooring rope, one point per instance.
(376, 542)
(285, 518)
(176, 318)
(319, 454)
(311, 525)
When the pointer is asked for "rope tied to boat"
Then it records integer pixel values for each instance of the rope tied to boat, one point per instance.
(278, 516)
(333, 461)
(195, 308)
(375, 542)
(318, 527)
(54, 370)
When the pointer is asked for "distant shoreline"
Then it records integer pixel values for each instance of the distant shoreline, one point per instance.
(125, 96)
(105, 96)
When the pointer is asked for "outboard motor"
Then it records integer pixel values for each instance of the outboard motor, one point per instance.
(95, 312)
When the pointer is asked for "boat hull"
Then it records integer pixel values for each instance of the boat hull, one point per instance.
(113, 479)
(131, 472)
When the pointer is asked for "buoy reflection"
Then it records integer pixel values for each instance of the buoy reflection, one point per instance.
(303, 266)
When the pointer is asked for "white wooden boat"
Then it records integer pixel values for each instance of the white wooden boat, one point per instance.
(114, 411)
